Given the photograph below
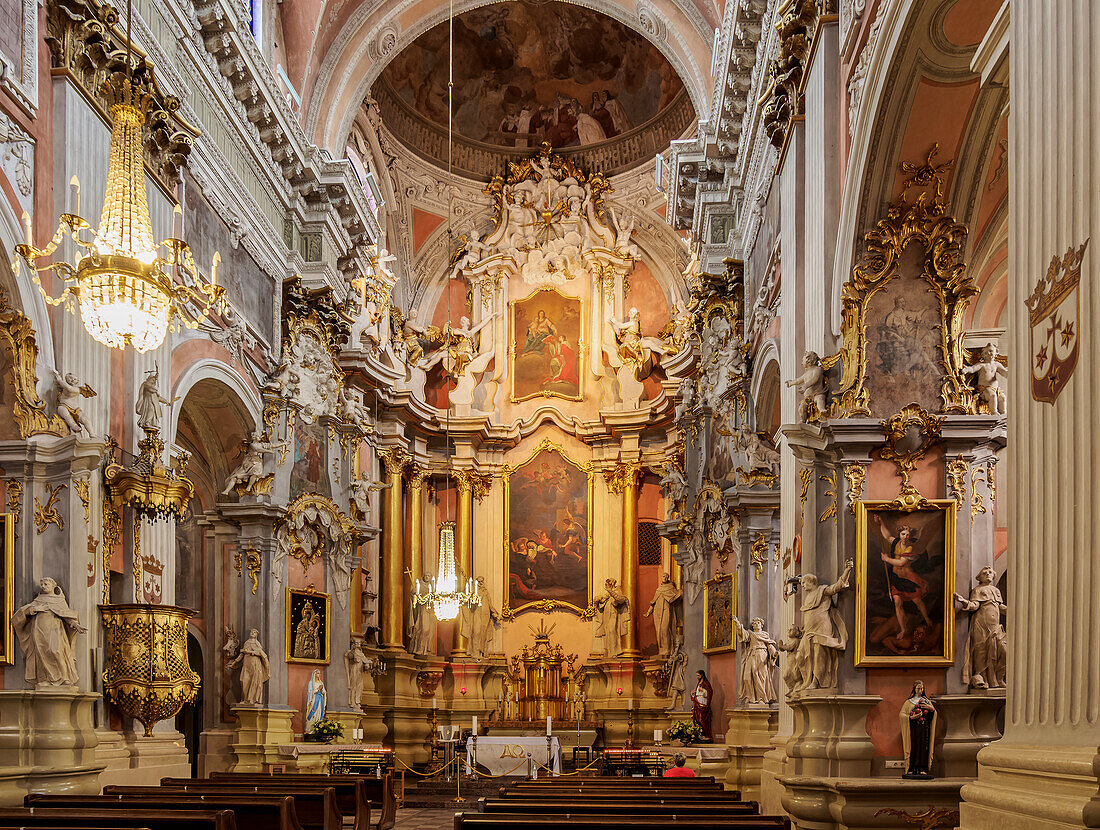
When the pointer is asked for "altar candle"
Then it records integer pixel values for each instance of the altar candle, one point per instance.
(548, 726)
(475, 724)
(657, 736)
(434, 705)
(631, 703)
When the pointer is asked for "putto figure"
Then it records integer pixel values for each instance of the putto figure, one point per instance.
(812, 386)
(988, 373)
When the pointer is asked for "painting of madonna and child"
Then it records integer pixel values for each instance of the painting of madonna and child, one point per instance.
(905, 577)
(548, 532)
(546, 335)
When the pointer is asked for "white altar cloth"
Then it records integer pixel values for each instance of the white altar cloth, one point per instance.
(507, 755)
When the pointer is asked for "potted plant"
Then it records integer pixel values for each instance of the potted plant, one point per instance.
(325, 731)
(685, 733)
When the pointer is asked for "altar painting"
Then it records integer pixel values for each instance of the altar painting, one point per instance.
(546, 346)
(307, 626)
(308, 474)
(548, 548)
(719, 609)
(905, 576)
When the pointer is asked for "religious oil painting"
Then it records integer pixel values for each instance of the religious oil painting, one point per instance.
(905, 576)
(547, 532)
(307, 626)
(719, 609)
(309, 473)
(547, 346)
(7, 589)
(903, 341)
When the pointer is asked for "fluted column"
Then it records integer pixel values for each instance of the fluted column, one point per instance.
(414, 533)
(623, 479)
(392, 620)
(1044, 772)
(464, 548)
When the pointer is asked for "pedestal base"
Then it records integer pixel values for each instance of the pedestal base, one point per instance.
(817, 803)
(748, 737)
(830, 735)
(216, 751)
(970, 722)
(47, 744)
(402, 709)
(133, 759)
(259, 733)
(1022, 787)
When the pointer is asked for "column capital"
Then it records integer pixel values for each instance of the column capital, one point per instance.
(470, 481)
(625, 474)
(394, 459)
(415, 474)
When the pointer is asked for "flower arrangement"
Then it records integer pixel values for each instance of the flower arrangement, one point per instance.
(686, 733)
(325, 731)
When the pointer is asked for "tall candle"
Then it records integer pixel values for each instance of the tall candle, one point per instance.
(434, 705)
(631, 703)
(475, 724)
(657, 735)
(548, 726)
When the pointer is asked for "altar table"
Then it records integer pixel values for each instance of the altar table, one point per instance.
(506, 755)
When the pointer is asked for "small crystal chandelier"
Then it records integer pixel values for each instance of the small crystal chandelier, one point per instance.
(130, 288)
(442, 592)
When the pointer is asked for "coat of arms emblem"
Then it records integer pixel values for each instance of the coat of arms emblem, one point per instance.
(1054, 316)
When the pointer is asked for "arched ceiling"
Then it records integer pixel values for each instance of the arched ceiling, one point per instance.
(528, 72)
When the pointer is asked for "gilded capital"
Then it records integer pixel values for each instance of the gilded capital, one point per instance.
(624, 474)
(394, 459)
(469, 481)
(416, 475)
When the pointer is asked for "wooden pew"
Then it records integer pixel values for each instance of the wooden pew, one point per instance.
(315, 808)
(593, 793)
(697, 821)
(383, 799)
(611, 781)
(250, 811)
(41, 818)
(642, 807)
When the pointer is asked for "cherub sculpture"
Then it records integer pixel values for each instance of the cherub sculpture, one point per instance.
(69, 392)
(812, 386)
(988, 380)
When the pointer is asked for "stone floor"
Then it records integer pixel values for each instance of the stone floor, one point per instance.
(412, 818)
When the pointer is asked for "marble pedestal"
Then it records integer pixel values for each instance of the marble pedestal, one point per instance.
(260, 732)
(748, 737)
(970, 723)
(830, 735)
(131, 758)
(47, 744)
(401, 708)
(818, 803)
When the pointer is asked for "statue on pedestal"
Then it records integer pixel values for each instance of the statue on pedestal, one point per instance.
(918, 732)
(812, 386)
(355, 663)
(316, 700)
(758, 660)
(824, 633)
(663, 609)
(46, 628)
(676, 668)
(150, 400)
(250, 472)
(796, 675)
(700, 704)
(484, 619)
(984, 665)
(69, 392)
(421, 630)
(614, 618)
(255, 670)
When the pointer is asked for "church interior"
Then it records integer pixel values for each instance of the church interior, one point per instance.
(496, 414)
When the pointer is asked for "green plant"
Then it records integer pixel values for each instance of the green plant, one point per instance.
(688, 733)
(325, 730)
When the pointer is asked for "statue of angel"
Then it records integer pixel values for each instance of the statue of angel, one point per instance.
(69, 392)
(251, 470)
(812, 385)
(988, 380)
(361, 488)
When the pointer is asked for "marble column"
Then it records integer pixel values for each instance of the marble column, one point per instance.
(414, 533)
(392, 616)
(631, 477)
(464, 548)
(1045, 771)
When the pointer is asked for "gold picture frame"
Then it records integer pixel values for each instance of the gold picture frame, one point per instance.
(903, 577)
(300, 644)
(544, 293)
(719, 609)
(585, 609)
(7, 587)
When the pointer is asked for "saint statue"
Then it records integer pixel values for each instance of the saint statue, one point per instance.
(355, 664)
(758, 660)
(316, 700)
(483, 620)
(614, 618)
(255, 670)
(149, 401)
(664, 609)
(307, 634)
(421, 631)
(984, 664)
(824, 633)
(46, 628)
(700, 704)
(676, 667)
(918, 732)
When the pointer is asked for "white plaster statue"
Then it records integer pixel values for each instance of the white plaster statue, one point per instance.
(150, 400)
(614, 618)
(422, 632)
(692, 270)
(759, 657)
(633, 347)
(69, 392)
(255, 670)
(361, 488)
(624, 230)
(46, 628)
(482, 620)
(687, 399)
(252, 469)
(229, 652)
(234, 338)
(464, 365)
(664, 610)
(758, 455)
(676, 668)
(316, 700)
(721, 361)
(354, 413)
(988, 379)
(824, 634)
(812, 386)
(355, 664)
(984, 663)
(797, 673)
(673, 484)
(470, 253)
(283, 381)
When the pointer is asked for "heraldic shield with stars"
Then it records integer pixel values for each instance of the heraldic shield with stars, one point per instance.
(1054, 315)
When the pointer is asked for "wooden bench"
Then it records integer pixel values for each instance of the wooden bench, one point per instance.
(315, 808)
(250, 811)
(613, 781)
(699, 821)
(41, 818)
(592, 793)
(379, 791)
(642, 807)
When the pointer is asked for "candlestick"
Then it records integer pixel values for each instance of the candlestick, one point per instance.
(548, 721)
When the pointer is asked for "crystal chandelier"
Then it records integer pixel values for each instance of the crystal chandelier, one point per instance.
(442, 592)
(130, 288)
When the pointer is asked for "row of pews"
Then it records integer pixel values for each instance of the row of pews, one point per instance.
(588, 804)
(225, 801)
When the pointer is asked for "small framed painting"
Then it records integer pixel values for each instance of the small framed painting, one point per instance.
(719, 609)
(905, 576)
(307, 626)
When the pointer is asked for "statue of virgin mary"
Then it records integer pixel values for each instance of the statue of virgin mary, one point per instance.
(316, 699)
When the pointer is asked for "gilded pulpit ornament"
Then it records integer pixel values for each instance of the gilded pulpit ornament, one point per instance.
(1055, 319)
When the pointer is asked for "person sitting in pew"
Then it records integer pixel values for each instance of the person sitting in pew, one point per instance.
(678, 770)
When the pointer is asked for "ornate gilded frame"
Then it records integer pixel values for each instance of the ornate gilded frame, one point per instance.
(907, 503)
(582, 349)
(726, 584)
(926, 223)
(7, 585)
(309, 593)
(507, 612)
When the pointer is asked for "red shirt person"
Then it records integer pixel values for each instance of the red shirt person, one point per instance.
(678, 770)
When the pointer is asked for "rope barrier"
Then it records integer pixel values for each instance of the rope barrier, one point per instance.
(457, 759)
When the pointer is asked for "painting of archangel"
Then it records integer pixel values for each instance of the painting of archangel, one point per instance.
(546, 346)
(548, 532)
